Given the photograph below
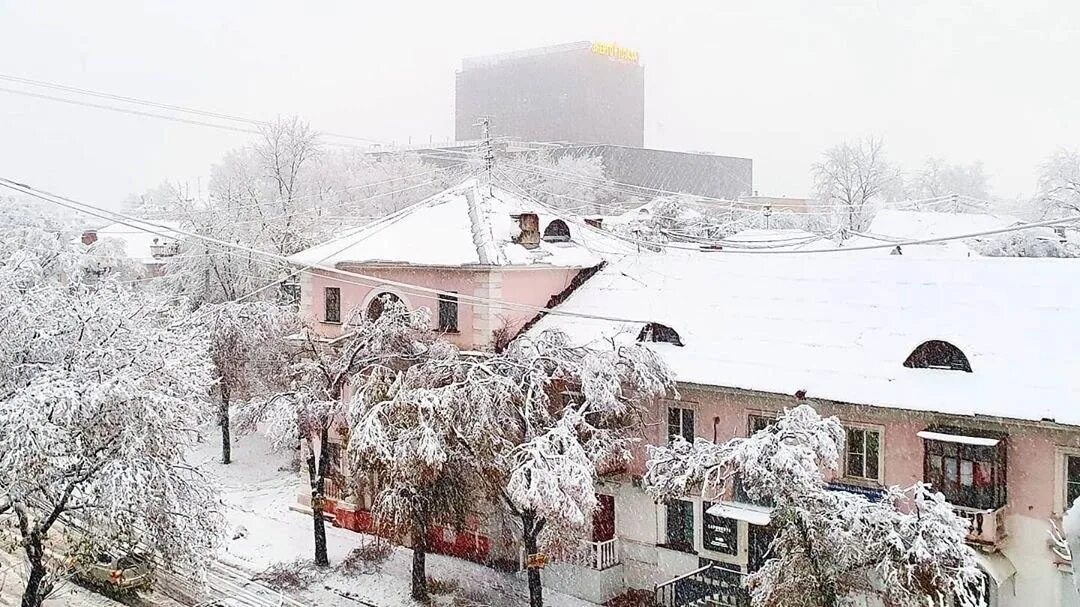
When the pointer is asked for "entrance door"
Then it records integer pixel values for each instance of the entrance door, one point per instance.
(604, 518)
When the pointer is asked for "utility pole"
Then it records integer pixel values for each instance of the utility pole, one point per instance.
(486, 149)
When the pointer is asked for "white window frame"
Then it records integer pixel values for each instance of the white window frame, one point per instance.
(1060, 470)
(859, 480)
(682, 420)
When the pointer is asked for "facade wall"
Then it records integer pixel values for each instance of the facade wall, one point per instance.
(1035, 453)
(531, 286)
(568, 93)
(726, 177)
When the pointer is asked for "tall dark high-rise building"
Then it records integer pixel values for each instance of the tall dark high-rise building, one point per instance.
(584, 92)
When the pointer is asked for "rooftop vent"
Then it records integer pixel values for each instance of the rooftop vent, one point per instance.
(658, 333)
(530, 230)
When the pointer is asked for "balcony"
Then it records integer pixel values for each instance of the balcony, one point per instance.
(987, 527)
(596, 555)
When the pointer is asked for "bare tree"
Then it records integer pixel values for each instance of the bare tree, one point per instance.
(1059, 183)
(849, 179)
(249, 352)
(939, 178)
(317, 405)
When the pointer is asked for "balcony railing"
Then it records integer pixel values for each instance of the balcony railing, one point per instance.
(596, 555)
(987, 527)
(334, 489)
(709, 586)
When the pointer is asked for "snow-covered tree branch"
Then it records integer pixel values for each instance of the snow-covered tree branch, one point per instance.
(99, 396)
(830, 547)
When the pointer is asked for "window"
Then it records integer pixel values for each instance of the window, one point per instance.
(658, 333)
(1072, 479)
(863, 450)
(680, 525)
(680, 422)
(718, 533)
(332, 311)
(448, 313)
(969, 470)
(376, 306)
(937, 354)
(757, 423)
(557, 231)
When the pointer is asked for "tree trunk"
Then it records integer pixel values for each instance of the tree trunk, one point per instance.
(419, 571)
(531, 531)
(37, 588)
(317, 476)
(223, 420)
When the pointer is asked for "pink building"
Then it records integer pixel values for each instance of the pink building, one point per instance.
(957, 372)
(481, 259)
(459, 250)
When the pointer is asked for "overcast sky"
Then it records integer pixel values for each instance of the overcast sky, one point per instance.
(778, 82)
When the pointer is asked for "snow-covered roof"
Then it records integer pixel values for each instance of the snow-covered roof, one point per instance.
(840, 326)
(468, 224)
(141, 240)
(919, 225)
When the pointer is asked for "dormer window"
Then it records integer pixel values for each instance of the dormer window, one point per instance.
(937, 354)
(658, 333)
(557, 231)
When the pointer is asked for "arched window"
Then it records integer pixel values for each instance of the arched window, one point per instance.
(937, 354)
(557, 231)
(658, 333)
(378, 304)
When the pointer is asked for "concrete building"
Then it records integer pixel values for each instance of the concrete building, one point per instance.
(582, 92)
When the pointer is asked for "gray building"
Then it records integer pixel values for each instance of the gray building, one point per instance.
(581, 92)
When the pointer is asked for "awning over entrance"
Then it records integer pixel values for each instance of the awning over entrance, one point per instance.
(755, 515)
(997, 565)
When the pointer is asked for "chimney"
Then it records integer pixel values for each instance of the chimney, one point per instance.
(596, 222)
(530, 230)
(89, 237)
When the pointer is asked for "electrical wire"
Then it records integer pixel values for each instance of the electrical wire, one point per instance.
(166, 106)
(651, 244)
(364, 279)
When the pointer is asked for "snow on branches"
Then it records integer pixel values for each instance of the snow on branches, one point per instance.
(249, 352)
(831, 546)
(561, 416)
(100, 398)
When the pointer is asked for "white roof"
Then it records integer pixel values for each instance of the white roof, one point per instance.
(840, 326)
(138, 237)
(919, 225)
(468, 224)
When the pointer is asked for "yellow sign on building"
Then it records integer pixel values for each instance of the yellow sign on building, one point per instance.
(610, 49)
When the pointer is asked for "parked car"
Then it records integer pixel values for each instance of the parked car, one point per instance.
(127, 572)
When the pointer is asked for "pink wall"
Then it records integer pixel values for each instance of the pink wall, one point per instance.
(533, 287)
(518, 285)
(1033, 448)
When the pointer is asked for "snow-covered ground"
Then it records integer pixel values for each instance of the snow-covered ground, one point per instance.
(258, 490)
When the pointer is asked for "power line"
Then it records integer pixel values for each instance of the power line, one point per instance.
(159, 105)
(837, 250)
(365, 279)
(191, 121)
